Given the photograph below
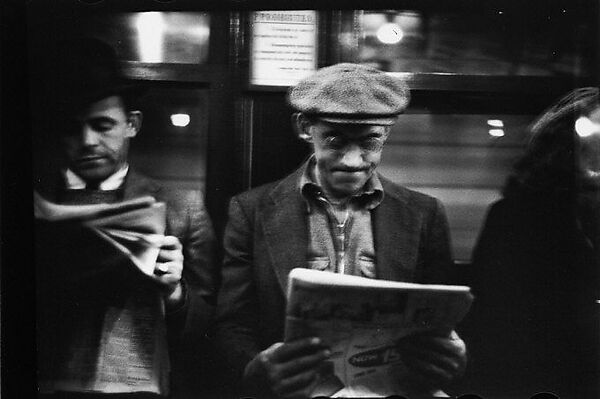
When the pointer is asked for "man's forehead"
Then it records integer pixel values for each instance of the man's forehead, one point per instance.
(109, 106)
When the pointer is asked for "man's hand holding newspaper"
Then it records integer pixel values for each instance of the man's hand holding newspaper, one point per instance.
(433, 359)
(168, 269)
(290, 369)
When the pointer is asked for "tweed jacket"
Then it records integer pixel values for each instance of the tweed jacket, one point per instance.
(267, 236)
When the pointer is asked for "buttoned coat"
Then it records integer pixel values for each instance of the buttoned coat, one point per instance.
(267, 236)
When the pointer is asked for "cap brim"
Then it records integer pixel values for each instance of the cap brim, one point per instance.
(384, 121)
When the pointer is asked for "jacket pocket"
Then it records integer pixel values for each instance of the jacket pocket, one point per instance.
(366, 266)
(319, 263)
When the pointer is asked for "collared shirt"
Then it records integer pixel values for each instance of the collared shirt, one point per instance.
(340, 235)
(113, 182)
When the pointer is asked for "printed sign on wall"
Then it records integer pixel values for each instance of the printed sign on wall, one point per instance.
(284, 47)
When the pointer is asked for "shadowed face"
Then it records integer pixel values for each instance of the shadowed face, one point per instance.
(588, 130)
(346, 154)
(96, 141)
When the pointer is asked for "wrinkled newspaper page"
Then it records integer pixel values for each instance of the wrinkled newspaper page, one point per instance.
(137, 234)
(361, 326)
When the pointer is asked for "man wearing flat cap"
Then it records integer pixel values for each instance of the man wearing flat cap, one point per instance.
(94, 119)
(337, 214)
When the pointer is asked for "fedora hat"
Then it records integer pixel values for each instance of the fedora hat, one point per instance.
(86, 70)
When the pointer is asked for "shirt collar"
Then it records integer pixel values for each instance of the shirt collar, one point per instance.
(369, 197)
(113, 182)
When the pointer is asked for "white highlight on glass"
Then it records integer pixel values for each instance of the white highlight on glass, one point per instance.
(585, 127)
(180, 120)
(496, 132)
(390, 33)
(495, 123)
(150, 26)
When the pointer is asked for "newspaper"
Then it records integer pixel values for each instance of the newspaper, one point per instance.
(361, 320)
(101, 321)
(134, 228)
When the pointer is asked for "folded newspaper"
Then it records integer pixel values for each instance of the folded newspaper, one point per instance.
(100, 319)
(134, 228)
(361, 320)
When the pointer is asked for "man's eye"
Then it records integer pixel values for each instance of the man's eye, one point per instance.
(102, 126)
(372, 143)
(334, 141)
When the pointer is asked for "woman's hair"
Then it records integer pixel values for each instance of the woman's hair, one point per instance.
(549, 163)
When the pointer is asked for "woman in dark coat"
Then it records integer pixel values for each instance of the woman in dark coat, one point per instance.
(535, 325)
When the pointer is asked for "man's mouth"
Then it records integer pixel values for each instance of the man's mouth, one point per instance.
(349, 174)
(90, 159)
(351, 171)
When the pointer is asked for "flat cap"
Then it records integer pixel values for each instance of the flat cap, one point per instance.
(351, 93)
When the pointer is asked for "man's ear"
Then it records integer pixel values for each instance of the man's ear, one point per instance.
(301, 125)
(134, 122)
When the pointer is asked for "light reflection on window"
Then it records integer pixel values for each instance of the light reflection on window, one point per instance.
(150, 28)
(156, 37)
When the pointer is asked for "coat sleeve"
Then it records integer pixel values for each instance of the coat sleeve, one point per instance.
(191, 223)
(237, 310)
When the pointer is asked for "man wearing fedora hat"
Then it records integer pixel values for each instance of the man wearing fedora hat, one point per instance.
(95, 117)
(337, 214)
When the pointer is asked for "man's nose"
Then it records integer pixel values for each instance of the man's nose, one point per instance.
(352, 156)
(89, 137)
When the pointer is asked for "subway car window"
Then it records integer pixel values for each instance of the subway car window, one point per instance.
(172, 144)
(482, 40)
(156, 37)
(461, 159)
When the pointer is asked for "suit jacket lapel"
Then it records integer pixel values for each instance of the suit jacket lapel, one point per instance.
(285, 228)
(137, 185)
(396, 236)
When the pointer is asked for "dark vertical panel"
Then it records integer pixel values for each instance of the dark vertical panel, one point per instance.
(223, 176)
(597, 44)
(17, 288)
